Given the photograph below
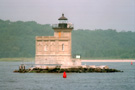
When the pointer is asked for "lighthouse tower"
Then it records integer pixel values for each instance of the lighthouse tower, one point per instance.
(62, 31)
(53, 50)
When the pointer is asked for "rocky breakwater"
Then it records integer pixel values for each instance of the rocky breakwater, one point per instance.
(69, 69)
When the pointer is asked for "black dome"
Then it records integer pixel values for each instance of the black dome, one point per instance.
(62, 17)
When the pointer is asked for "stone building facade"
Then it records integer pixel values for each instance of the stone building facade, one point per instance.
(56, 49)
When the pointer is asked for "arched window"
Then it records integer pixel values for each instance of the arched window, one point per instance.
(62, 47)
(45, 48)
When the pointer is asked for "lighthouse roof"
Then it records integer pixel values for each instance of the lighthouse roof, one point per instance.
(62, 17)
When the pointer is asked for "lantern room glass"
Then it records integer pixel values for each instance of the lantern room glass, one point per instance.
(63, 21)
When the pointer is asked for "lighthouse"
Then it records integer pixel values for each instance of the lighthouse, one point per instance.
(56, 50)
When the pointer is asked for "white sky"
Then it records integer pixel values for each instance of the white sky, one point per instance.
(84, 14)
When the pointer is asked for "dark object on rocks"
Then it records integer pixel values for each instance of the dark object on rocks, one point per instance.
(68, 70)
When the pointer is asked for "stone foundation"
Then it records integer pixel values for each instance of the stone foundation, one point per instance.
(72, 69)
(64, 60)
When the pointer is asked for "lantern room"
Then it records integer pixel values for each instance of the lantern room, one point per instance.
(63, 23)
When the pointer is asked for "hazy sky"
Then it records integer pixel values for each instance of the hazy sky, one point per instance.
(84, 14)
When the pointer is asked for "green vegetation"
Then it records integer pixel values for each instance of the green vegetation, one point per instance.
(17, 59)
(104, 44)
(17, 39)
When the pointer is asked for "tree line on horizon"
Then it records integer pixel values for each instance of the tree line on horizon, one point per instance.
(17, 39)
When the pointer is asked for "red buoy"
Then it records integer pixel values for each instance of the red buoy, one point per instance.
(131, 63)
(64, 75)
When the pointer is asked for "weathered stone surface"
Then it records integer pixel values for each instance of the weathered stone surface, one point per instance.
(56, 49)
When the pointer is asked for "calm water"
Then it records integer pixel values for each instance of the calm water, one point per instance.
(74, 81)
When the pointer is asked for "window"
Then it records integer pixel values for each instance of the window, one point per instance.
(62, 47)
(45, 48)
